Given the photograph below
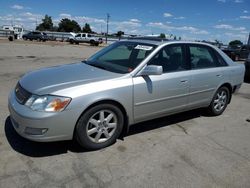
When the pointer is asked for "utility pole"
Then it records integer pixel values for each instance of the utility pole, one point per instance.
(248, 42)
(108, 16)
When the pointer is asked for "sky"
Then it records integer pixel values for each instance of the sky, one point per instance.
(222, 20)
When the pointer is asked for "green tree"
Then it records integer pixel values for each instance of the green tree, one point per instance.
(162, 36)
(119, 34)
(67, 25)
(46, 25)
(87, 28)
(235, 43)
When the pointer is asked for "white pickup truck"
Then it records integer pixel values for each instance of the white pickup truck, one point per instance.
(85, 38)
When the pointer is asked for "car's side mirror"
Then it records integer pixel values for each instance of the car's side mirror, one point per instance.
(151, 70)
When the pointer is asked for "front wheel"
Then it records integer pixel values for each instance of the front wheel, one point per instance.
(71, 41)
(219, 101)
(99, 126)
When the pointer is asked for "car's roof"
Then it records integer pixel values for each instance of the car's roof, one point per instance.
(164, 41)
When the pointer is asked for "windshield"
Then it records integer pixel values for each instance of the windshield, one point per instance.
(121, 57)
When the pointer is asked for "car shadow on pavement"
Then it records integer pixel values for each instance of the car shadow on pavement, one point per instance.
(41, 149)
(165, 121)
(37, 149)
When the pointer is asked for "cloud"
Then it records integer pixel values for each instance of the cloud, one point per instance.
(190, 29)
(244, 32)
(7, 18)
(238, 1)
(245, 17)
(65, 15)
(32, 17)
(229, 27)
(236, 36)
(85, 19)
(221, 1)
(17, 7)
(245, 11)
(167, 15)
(134, 20)
(180, 18)
(132, 26)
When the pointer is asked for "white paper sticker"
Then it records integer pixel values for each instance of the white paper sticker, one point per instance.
(142, 47)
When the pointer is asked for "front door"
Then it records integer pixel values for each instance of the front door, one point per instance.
(157, 95)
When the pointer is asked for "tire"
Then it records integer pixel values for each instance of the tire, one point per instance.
(219, 101)
(38, 39)
(71, 41)
(24, 38)
(99, 126)
(11, 38)
(92, 42)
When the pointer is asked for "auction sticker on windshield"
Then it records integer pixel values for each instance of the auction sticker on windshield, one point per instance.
(142, 47)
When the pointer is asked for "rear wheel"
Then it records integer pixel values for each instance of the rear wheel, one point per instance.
(100, 126)
(24, 38)
(219, 102)
(92, 42)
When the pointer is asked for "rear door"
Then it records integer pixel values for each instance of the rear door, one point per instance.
(206, 75)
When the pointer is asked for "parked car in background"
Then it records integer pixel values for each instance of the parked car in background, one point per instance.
(247, 67)
(17, 29)
(36, 35)
(238, 53)
(125, 83)
(85, 38)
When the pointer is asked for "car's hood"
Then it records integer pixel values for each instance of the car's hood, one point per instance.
(49, 80)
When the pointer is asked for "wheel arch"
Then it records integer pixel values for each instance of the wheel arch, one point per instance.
(230, 88)
(108, 101)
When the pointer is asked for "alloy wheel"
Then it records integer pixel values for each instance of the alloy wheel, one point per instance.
(220, 101)
(101, 126)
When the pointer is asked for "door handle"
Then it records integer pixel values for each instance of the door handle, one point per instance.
(218, 75)
(184, 81)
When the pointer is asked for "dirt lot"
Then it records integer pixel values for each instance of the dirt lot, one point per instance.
(185, 150)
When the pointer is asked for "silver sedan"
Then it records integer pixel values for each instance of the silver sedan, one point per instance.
(123, 84)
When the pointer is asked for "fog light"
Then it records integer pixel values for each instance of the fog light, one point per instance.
(35, 131)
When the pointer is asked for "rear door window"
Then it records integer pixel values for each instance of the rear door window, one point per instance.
(202, 57)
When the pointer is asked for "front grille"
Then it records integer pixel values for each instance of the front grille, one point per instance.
(22, 95)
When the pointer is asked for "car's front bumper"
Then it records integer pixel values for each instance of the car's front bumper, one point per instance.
(41, 126)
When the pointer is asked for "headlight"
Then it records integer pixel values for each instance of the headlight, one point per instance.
(48, 103)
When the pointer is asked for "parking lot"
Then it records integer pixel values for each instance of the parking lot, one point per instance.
(189, 149)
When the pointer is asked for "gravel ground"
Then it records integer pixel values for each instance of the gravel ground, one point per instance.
(185, 150)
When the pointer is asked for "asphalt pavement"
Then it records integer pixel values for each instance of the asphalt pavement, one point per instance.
(189, 149)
